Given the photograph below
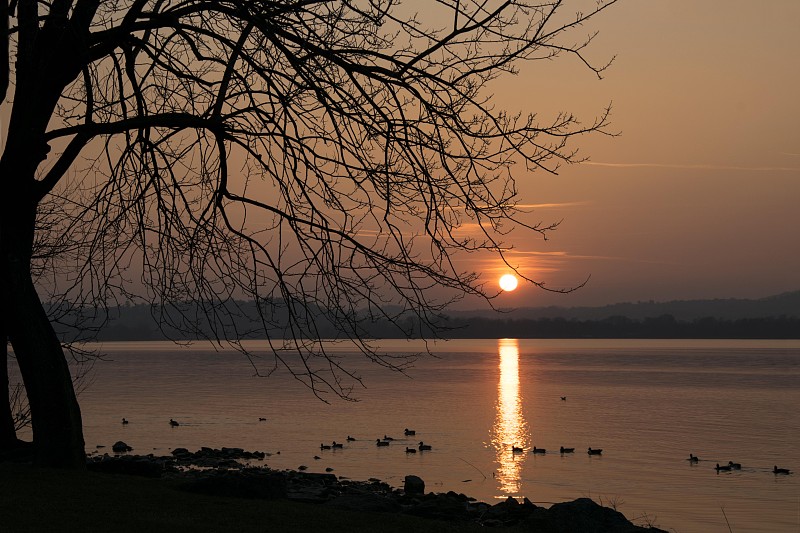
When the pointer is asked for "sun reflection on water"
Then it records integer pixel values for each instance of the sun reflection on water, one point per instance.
(510, 428)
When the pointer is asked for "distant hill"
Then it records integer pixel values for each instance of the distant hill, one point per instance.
(775, 317)
(786, 304)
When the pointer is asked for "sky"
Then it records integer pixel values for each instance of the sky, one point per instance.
(699, 195)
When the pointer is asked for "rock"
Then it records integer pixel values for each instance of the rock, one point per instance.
(581, 516)
(129, 464)
(365, 503)
(414, 485)
(121, 447)
(441, 507)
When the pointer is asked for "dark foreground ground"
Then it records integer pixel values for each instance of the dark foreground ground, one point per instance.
(36, 499)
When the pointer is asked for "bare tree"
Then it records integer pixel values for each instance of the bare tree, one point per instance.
(318, 157)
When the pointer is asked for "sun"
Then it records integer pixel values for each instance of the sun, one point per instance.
(508, 282)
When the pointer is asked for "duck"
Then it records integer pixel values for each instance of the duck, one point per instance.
(337, 445)
(595, 451)
(563, 398)
(516, 449)
(410, 450)
(408, 432)
(380, 442)
(262, 419)
(538, 450)
(387, 438)
(735, 466)
(173, 423)
(350, 439)
(724, 468)
(124, 421)
(423, 446)
(566, 450)
(324, 446)
(776, 470)
(693, 458)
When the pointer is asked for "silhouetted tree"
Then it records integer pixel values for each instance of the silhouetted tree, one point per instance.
(319, 157)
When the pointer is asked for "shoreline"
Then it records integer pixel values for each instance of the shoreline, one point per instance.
(227, 472)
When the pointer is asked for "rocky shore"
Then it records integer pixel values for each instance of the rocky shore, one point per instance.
(229, 472)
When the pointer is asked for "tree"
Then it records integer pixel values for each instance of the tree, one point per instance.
(318, 157)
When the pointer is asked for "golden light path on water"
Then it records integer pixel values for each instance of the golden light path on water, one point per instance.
(510, 428)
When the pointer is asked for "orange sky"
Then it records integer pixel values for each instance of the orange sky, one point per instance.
(700, 195)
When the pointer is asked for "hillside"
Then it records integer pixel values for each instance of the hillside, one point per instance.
(775, 317)
(782, 305)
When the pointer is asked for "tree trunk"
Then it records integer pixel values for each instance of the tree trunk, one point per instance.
(8, 435)
(55, 414)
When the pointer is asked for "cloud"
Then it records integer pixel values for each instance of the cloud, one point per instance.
(691, 167)
(553, 205)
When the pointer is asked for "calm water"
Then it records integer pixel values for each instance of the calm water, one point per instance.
(647, 404)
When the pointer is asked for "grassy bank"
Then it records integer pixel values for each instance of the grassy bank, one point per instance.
(36, 499)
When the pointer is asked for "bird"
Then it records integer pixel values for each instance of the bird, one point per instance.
(566, 450)
(387, 438)
(735, 466)
(324, 446)
(595, 452)
(410, 450)
(516, 449)
(563, 398)
(423, 446)
(173, 423)
(538, 450)
(302, 467)
(349, 438)
(380, 442)
(262, 419)
(317, 457)
(337, 445)
(408, 432)
(776, 470)
(124, 421)
(693, 458)
(329, 469)
(724, 468)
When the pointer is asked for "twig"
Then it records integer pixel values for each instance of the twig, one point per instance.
(726, 518)
(473, 466)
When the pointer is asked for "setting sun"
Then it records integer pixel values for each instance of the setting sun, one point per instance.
(508, 282)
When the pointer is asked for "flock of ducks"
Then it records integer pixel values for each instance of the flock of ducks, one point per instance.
(381, 443)
(172, 423)
(562, 450)
(693, 459)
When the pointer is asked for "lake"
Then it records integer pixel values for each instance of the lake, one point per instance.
(647, 404)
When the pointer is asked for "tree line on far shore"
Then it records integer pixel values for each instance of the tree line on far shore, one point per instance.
(133, 323)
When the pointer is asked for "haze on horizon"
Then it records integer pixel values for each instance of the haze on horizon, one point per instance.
(698, 197)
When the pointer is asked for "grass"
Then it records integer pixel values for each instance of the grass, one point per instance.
(38, 499)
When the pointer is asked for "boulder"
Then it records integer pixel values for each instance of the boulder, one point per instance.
(414, 485)
(440, 507)
(581, 516)
(121, 447)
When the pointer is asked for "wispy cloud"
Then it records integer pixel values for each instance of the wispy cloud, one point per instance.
(552, 206)
(691, 167)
